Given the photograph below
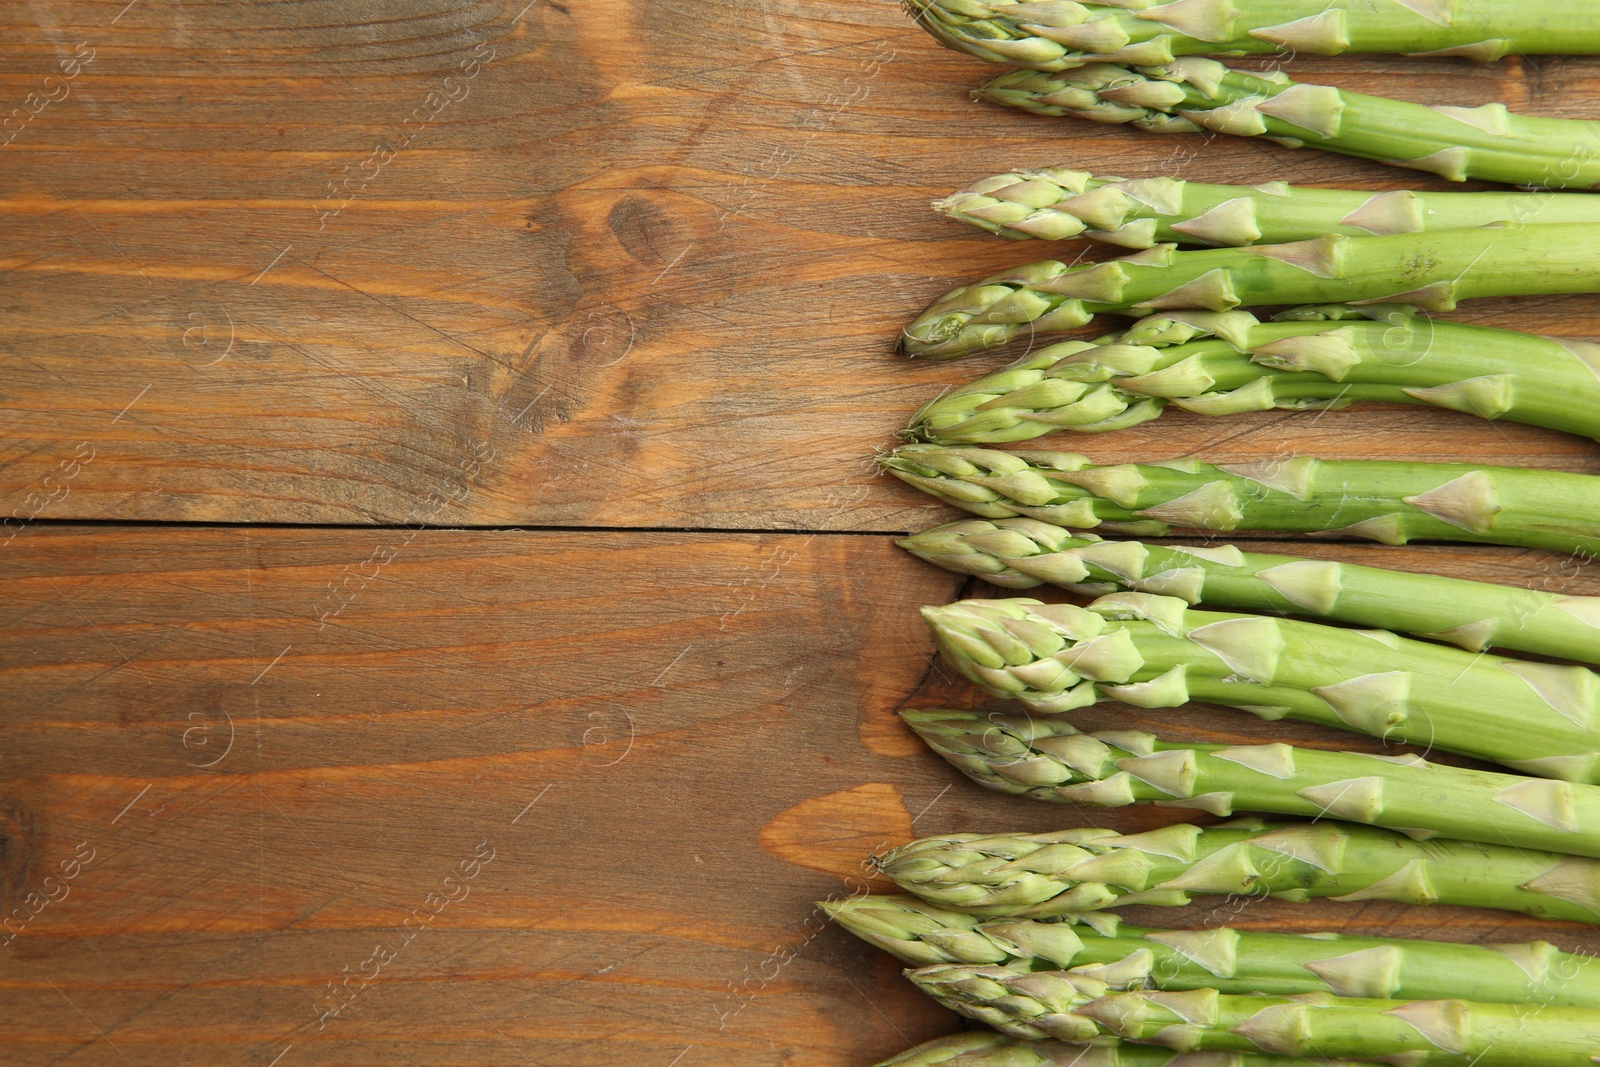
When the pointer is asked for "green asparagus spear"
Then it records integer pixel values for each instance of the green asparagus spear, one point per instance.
(1418, 1033)
(983, 1048)
(1052, 35)
(1069, 872)
(986, 1048)
(1025, 553)
(1190, 94)
(1230, 961)
(1313, 357)
(1055, 203)
(1382, 500)
(1046, 758)
(1432, 270)
(1157, 652)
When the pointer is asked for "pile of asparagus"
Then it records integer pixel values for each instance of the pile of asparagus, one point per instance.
(1019, 930)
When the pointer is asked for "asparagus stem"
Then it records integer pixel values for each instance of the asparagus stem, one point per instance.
(1382, 500)
(1067, 873)
(1230, 961)
(1048, 759)
(1157, 652)
(986, 1048)
(1024, 553)
(1190, 93)
(1432, 270)
(1419, 1033)
(1314, 357)
(1055, 204)
(1048, 35)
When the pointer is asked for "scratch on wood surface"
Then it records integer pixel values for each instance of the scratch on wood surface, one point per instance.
(130, 404)
(90, 1021)
(531, 803)
(929, 806)
(293, 825)
(127, 661)
(131, 803)
(473, 1004)
(101, 233)
(657, 680)
(674, 263)
(269, 666)
(274, 263)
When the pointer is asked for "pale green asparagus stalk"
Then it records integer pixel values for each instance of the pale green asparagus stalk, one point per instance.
(1390, 501)
(987, 1048)
(1190, 93)
(1046, 758)
(1418, 1033)
(1056, 203)
(1056, 35)
(1432, 270)
(1230, 961)
(1157, 652)
(1315, 357)
(1024, 553)
(1067, 873)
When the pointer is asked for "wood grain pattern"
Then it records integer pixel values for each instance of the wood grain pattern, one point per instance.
(614, 715)
(315, 784)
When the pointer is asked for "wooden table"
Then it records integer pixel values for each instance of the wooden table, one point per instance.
(452, 618)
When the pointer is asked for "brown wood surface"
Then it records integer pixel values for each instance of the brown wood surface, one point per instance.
(282, 283)
(656, 256)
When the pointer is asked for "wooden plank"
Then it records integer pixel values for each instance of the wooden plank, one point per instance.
(618, 717)
(673, 744)
(630, 266)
